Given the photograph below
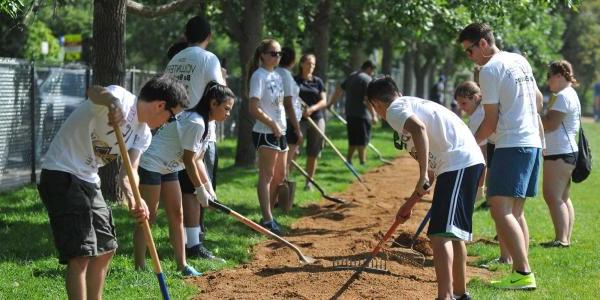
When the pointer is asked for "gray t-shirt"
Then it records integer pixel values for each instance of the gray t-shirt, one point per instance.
(355, 87)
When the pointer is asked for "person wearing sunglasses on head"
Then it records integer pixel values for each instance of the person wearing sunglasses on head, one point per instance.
(312, 92)
(180, 146)
(266, 94)
(510, 101)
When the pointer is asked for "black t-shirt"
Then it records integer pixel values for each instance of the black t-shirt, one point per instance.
(355, 87)
(310, 92)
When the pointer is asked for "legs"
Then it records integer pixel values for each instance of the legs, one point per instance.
(279, 173)
(171, 196)
(267, 159)
(509, 229)
(450, 261)
(557, 180)
(151, 194)
(85, 276)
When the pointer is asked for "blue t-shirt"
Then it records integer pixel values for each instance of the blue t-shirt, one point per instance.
(597, 89)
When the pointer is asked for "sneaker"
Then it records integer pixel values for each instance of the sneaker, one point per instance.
(516, 281)
(308, 186)
(199, 251)
(555, 244)
(272, 226)
(190, 271)
(465, 296)
(494, 262)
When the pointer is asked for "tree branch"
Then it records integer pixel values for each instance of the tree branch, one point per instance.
(147, 11)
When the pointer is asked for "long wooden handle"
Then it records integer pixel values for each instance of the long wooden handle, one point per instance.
(260, 229)
(316, 127)
(137, 202)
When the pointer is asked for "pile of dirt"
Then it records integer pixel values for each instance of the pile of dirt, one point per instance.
(331, 232)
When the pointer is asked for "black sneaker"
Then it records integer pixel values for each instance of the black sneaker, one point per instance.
(465, 296)
(199, 251)
(272, 226)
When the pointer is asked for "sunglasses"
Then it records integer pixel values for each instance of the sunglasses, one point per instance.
(274, 53)
(469, 50)
(173, 116)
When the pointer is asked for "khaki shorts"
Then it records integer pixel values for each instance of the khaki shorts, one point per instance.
(82, 224)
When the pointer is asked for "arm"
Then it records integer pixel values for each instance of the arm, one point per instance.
(140, 210)
(322, 103)
(371, 110)
(194, 167)
(291, 114)
(101, 96)
(551, 121)
(336, 96)
(261, 116)
(489, 123)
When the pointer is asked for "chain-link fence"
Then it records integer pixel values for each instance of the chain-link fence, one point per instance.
(34, 102)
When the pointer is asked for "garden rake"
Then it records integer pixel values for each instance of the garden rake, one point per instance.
(409, 253)
(379, 155)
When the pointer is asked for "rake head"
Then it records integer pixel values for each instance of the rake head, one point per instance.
(376, 265)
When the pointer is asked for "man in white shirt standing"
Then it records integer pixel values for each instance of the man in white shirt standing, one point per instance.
(509, 91)
(196, 67)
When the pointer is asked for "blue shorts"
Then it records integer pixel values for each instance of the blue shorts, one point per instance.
(453, 202)
(514, 172)
(155, 178)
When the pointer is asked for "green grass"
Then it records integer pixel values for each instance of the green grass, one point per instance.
(30, 269)
(570, 273)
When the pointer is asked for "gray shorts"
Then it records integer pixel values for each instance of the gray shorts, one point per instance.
(314, 141)
(82, 224)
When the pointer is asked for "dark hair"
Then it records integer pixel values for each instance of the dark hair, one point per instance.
(367, 65)
(176, 48)
(303, 58)
(288, 56)
(565, 69)
(164, 87)
(383, 89)
(477, 31)
(212, 91)
(253, 63)
(197, 29)
(466, 89)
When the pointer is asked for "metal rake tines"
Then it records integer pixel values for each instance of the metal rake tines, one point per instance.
(376, 265)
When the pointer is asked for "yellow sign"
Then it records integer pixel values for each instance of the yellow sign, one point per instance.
(73, 47)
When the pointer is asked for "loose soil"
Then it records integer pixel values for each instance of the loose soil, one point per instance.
(330, 232)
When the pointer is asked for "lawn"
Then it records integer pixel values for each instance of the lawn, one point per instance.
(27, 251)
(31, 271)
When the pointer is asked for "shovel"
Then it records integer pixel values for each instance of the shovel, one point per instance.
(330, 198)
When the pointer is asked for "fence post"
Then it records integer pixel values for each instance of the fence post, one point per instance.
(132, 82)
(87, 80)
(32, 84)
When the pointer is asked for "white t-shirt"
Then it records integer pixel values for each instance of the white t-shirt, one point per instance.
(507, 80)
(86, 142)
(196, 67)
(475, 121)
(291, 88)
(557, 141)
(268, 88)
(451, 144)
(165, 154)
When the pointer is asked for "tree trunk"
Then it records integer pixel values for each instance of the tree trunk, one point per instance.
(387, 57)
(421, 67)
(108, 64)
(246, 30)
(407, 78)
(320, 37)
(357, 56)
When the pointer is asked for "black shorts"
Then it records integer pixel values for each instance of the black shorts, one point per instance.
(359, 131)
(569, 158)
(489, 149)
(453, 201)
(290, 134)
(187, 187)
(82, 224)
(270, 141)
(155, 178)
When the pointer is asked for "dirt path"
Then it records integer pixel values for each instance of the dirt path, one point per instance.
(333, 231)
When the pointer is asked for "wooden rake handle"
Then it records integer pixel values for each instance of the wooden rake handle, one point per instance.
(137, 201)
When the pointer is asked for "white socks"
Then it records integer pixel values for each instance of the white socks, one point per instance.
(192, 236)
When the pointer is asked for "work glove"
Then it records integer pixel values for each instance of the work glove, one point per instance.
(202, 195)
